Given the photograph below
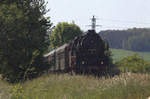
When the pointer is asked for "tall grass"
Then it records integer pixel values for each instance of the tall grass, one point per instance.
(4, 90)
(53, 86)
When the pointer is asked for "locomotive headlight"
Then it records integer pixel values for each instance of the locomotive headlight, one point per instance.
(83, 62)
(102, 62)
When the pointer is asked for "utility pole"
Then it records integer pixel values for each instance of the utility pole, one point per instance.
(93, 23)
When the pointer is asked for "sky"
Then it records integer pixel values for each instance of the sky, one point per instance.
(111, 14)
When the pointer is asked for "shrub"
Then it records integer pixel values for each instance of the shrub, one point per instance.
(133, 64)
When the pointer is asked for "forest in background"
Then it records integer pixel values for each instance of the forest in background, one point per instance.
(136, 39)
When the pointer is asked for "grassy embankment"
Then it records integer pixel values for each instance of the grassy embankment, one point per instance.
(52, 86)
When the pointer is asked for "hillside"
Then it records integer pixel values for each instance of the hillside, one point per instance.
(64, 86)
(136, 39)
(118, 54)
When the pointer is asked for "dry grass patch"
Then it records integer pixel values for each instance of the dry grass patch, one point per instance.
(64, 86)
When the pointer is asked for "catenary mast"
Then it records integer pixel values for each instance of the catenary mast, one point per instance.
(93, 23)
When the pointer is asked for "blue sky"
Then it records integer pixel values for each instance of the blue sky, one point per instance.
(112, 14)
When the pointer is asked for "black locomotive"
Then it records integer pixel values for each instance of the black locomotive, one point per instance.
(91, 52)
(87, 53)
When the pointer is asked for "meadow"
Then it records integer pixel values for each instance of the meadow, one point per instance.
(118, 54)
(65, 86)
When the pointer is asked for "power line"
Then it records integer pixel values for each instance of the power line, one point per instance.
(123, 21)
(104, 26)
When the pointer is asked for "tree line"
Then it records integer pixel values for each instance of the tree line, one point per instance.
(136, 39)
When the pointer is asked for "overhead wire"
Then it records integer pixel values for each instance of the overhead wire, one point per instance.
(123, 21)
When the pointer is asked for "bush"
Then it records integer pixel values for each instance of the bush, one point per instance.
(134, 64)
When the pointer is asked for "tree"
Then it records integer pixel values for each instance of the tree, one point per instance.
(64, 33)
(23, 29)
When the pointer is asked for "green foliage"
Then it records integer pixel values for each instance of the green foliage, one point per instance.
(134, 64)
(17, 92)
(64, 33)
(140, 42)
(132, 39)
(23, 29)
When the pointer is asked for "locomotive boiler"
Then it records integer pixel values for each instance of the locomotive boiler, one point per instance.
(88, 53)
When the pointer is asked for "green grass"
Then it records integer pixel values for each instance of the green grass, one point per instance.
(65, 86)
(118, 54)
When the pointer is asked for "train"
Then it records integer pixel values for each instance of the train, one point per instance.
(85, 53)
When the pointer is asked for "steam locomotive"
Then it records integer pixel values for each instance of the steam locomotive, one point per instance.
(88, 53)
